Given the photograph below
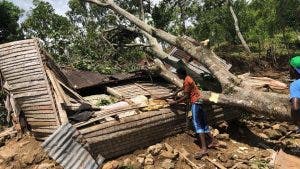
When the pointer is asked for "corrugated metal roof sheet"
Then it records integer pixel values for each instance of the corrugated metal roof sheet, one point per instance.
(63, 147)
(84, 79)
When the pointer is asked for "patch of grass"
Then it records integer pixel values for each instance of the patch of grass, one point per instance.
(261, 164)
(126, 167)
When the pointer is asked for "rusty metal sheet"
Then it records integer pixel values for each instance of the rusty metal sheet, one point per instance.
(63, 147)
(84, 79)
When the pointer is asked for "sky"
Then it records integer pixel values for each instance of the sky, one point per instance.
(60, 6)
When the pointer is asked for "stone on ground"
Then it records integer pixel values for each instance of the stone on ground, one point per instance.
(155, 149)
(168, 164)
(224, 136)
(111, 165)
(273, 134)
(149, 160)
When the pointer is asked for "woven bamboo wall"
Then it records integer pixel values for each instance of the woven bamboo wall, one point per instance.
(21, 66)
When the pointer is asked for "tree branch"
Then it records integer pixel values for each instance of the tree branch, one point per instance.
(132, 45)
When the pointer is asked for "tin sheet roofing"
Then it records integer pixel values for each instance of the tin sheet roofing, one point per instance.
(63, 147)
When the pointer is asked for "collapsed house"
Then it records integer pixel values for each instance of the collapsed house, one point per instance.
(44, 99)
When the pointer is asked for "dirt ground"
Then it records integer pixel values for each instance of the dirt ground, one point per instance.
(245, 142)
(249, 142)
(25, 154)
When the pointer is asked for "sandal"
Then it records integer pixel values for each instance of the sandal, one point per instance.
(199, 155)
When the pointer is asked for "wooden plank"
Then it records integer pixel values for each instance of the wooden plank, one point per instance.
(21, 76)
(140, 123)
(37, 86)
(39, 130)
(21, 71)
(14, 55)
(25, 65)
(40, 116)
(44, 99)
(20, 58)
(21, 45)
(30, 94)
(16, 43)
(23, 105)
(18, 64)
(26, 84)
(125, 120)
(33, 88)
(58, 97)
(39, 77)
(34, 107)
(39, 112)
(106, 114)
(41, 120)
(36, 124)
(113, 92)
(17, 50)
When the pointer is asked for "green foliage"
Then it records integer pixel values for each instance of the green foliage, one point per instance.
(9, 27)
(81, 40)
(54, 30)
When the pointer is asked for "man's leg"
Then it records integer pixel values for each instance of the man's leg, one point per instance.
(199, 129)
(295, 110)
(203, 142)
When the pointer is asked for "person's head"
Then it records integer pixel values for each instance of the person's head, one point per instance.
(295, 65)
(181, 72)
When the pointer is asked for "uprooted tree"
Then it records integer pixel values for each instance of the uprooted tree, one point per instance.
(235, 91)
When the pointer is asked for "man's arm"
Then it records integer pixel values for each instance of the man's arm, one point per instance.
(181, 99)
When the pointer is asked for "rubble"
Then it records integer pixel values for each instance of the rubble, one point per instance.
(111, 165)
(224, 136)
(231, 151)
(273, 134)
(149, 160)
(168, 164)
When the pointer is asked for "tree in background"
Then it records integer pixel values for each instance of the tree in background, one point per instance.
(96, 39)
(54, 30)
(98, 43)
(237, 28)
(9, 26)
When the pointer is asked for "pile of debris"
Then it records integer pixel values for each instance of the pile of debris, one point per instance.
(235, 149)
(42, 99)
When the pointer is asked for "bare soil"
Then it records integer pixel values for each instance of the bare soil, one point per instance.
(26, 153)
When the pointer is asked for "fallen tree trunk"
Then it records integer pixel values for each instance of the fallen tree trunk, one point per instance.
(235, 92)
(247, 101)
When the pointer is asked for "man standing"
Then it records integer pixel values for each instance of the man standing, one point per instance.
(192, 93)
(295, 90)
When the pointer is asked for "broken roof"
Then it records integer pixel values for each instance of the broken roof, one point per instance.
(84, 79)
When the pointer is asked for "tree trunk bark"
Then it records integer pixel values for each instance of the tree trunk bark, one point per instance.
(142, 11)
(182, 16)
(235, 92)
(237, 28)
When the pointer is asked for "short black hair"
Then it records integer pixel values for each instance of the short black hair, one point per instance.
(181, 71)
